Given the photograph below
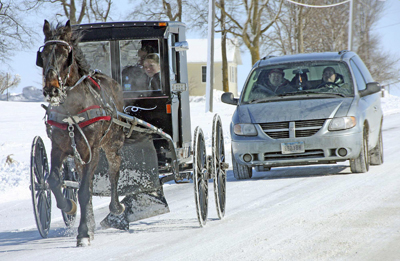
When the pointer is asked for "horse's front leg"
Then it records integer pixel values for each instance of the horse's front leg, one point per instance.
(87, 223)
(55, 182)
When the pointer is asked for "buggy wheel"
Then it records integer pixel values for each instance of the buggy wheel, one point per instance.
(218, 161)
(200, 176)
(69, 173)
(40, 191)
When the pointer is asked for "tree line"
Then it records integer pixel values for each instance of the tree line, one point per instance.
(262, 27)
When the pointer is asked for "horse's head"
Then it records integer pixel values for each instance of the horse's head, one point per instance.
(56, 59)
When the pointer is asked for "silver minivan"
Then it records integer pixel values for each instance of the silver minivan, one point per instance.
(303, 109)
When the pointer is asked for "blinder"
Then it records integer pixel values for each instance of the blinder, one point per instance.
(39, 59)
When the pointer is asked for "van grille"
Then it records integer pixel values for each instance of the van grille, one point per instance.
(292, 129)
(308, 154)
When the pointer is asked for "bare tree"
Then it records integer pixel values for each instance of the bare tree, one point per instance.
(79, 12)
(8, 81)
(249, 20)
(15, 34)
(156, 10)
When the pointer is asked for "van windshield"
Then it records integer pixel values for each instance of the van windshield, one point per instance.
(303, 78)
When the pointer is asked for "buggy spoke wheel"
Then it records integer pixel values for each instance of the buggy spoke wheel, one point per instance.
(69, 173)
(200, 176)
(41, 194)
(218, 166)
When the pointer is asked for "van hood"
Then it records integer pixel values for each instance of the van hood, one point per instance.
(293, 110)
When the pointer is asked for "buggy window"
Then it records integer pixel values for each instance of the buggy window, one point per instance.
(298, 79)
(97, 55)
(140, 65)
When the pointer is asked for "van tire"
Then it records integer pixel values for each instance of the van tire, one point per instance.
(376, 155)
(241, 171)
(361, 163)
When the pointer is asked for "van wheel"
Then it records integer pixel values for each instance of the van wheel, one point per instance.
(376, 157)
(241, 171)
(361, 163)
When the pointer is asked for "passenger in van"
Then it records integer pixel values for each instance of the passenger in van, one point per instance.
(300, 82)
(151, 67)
(271, 83)
(134, 77)
(330, 78)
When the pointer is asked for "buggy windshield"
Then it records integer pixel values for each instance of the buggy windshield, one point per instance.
(330, 79)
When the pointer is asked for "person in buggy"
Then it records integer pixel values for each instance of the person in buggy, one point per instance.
(133, 76)
(151, 67)
(271, 83)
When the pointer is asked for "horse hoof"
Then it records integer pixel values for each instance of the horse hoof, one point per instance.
(83, 242)
(117, 211)
(73, 208)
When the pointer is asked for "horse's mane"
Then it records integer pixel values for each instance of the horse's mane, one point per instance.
(59, 32)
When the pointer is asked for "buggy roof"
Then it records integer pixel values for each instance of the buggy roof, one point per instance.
(128, 30)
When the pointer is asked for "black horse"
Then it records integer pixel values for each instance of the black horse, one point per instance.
(82, 106)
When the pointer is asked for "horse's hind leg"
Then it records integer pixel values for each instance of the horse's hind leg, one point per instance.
(114, 163)
(55, 182)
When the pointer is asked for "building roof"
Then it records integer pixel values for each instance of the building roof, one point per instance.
(197, 52)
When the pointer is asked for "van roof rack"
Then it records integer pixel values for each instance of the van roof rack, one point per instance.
(268, 57)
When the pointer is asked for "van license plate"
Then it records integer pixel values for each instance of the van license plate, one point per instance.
(292, 147)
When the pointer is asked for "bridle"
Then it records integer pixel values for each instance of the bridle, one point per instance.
(49, 66)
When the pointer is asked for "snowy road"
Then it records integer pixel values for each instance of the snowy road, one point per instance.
(302, 213)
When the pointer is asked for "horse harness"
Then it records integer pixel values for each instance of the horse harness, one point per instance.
(83, 118)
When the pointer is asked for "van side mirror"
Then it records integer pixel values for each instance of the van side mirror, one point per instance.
(181, 46)
(228, 98)
(372, 87)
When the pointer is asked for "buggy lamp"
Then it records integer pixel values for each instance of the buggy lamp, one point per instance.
(245, 129)
(342, 123)
(179, 87)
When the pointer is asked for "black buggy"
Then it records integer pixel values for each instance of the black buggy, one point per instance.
(164, 150)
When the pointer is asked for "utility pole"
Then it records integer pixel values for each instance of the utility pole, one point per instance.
(210, 57)
(351, 18)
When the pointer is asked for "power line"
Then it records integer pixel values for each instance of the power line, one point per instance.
(318, 6)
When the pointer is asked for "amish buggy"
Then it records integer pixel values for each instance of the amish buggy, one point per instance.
(113, 132)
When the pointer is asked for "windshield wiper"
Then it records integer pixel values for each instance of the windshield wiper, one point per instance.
(260, 100)
(309, 92)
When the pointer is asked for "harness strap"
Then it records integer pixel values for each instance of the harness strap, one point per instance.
(84, 118)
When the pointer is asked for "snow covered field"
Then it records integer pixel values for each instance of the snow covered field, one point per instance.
(303, 213)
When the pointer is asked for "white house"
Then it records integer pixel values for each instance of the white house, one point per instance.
(197, 65)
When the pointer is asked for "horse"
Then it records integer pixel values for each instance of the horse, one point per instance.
(82, 106)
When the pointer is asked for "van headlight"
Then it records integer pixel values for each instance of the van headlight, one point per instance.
(245, 129)
(342, 123)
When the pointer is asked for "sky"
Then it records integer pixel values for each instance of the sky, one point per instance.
(23, 62)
